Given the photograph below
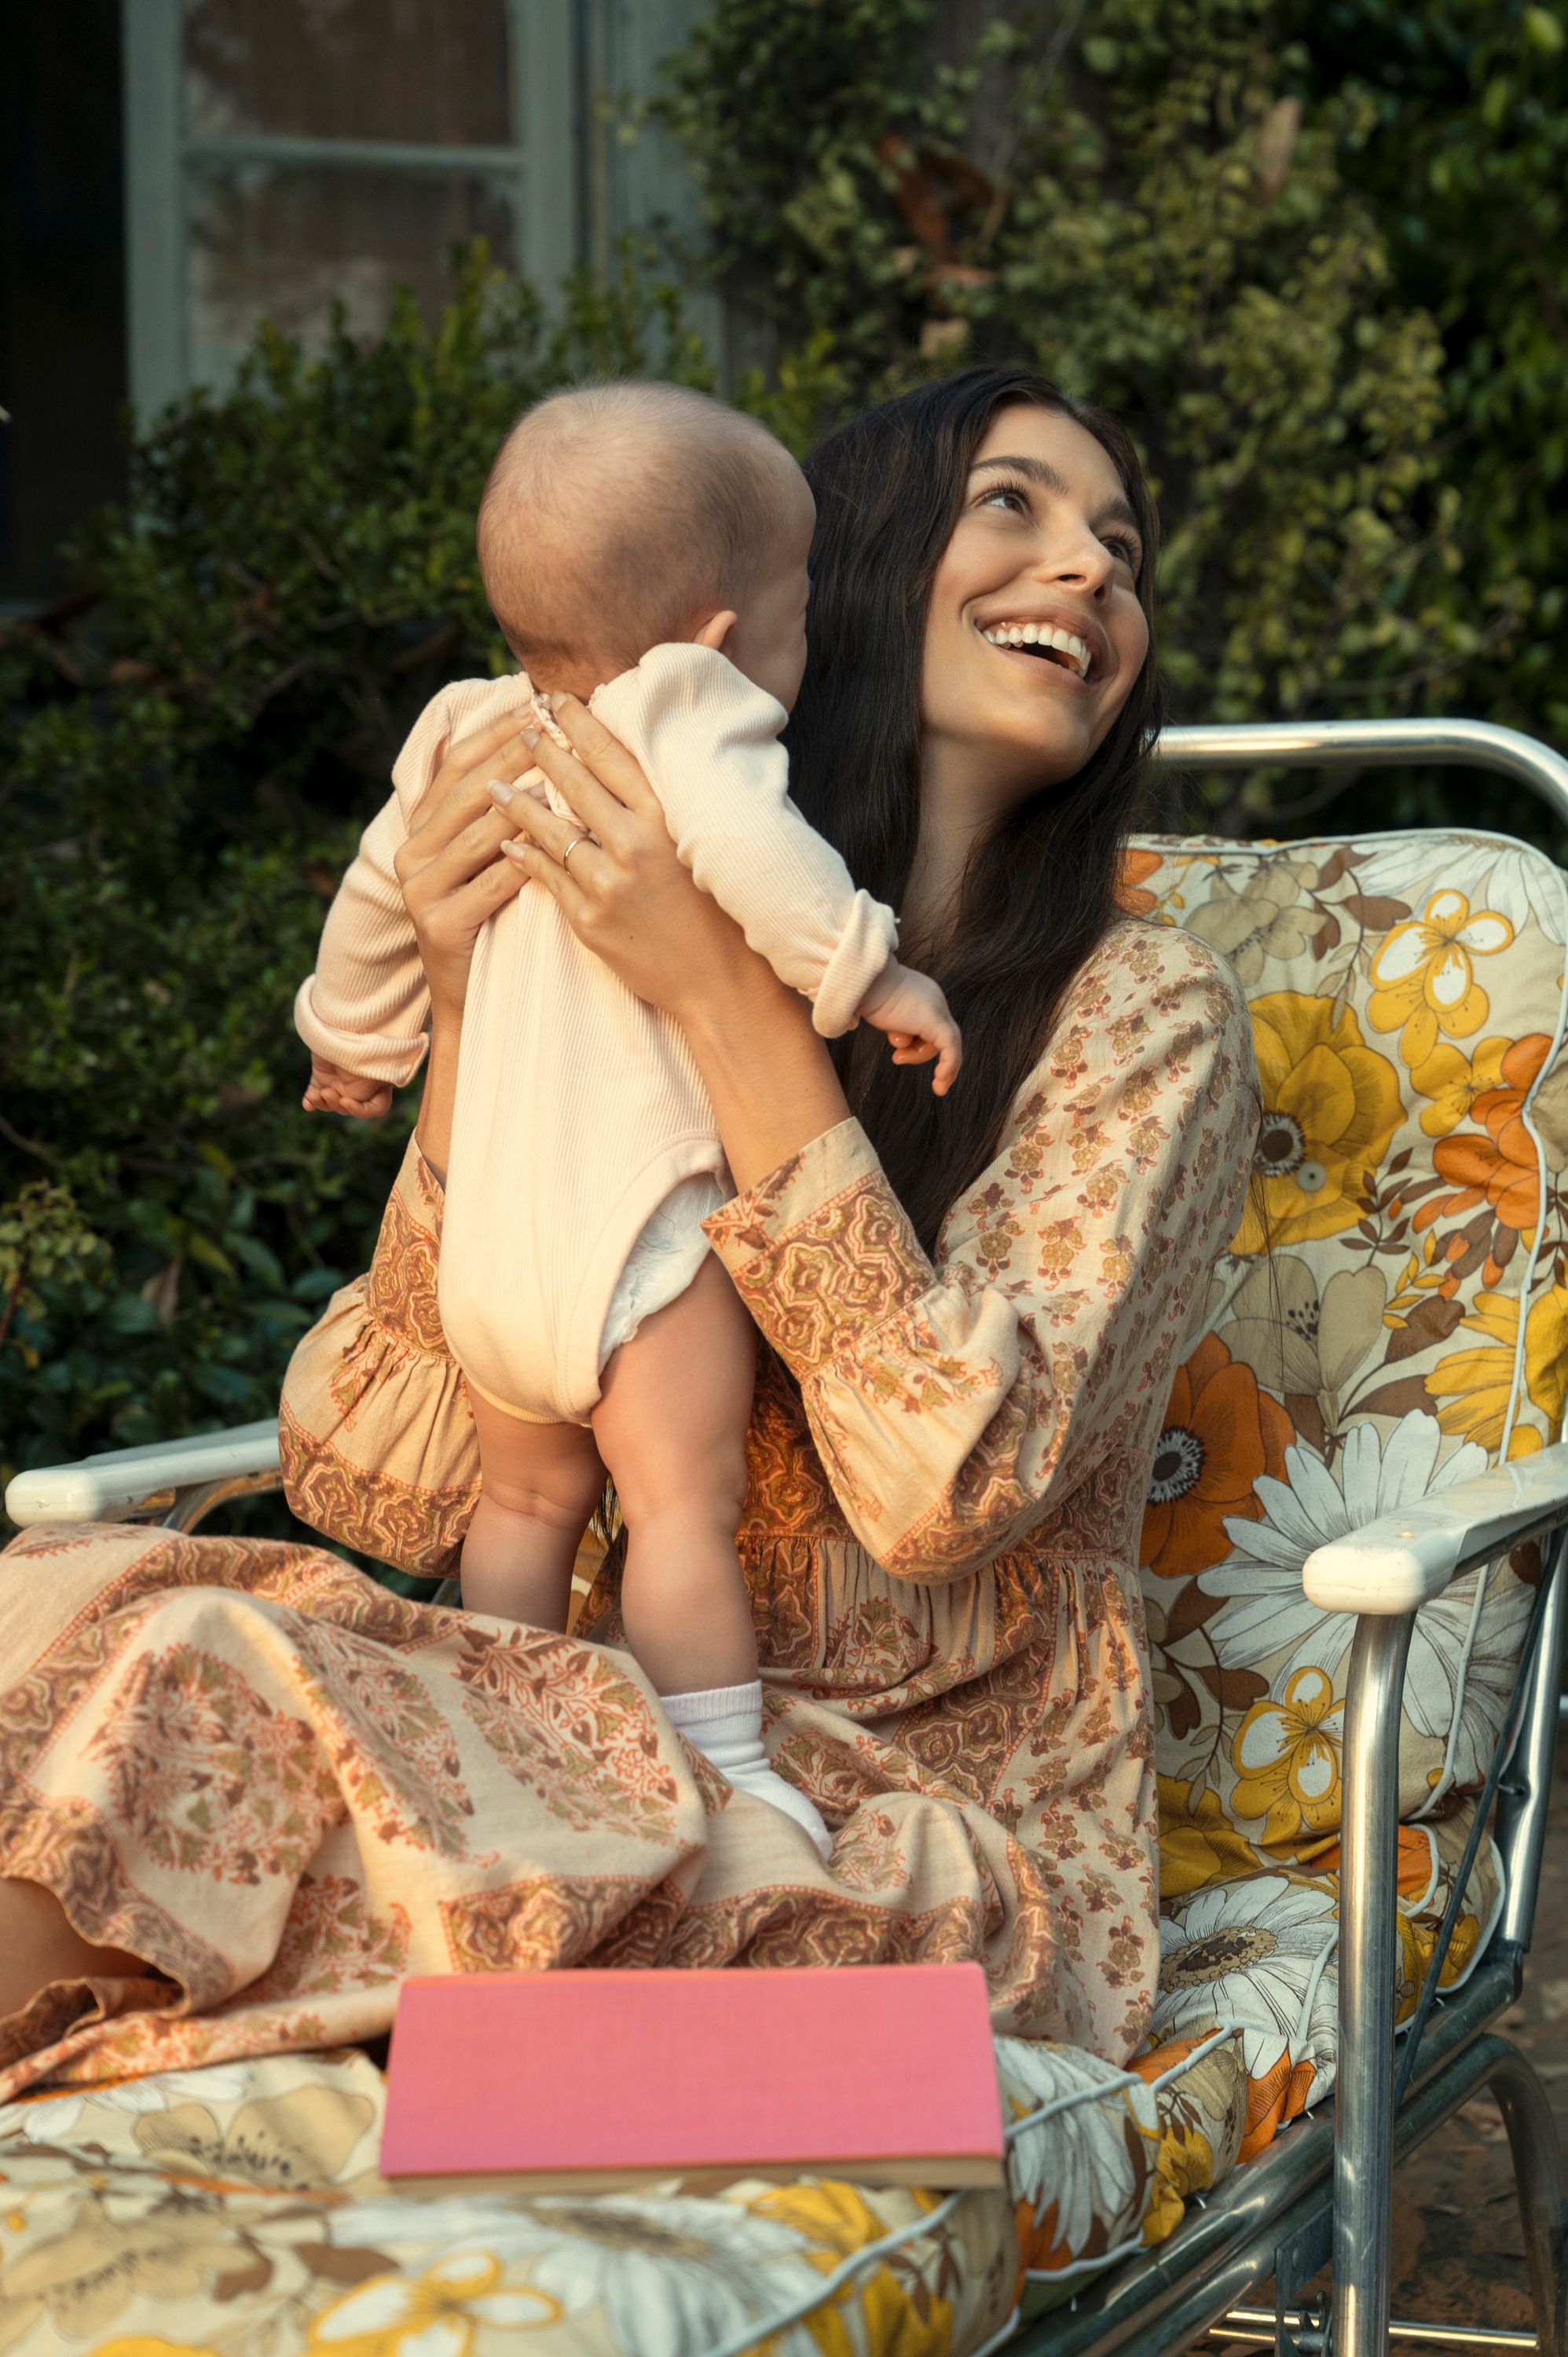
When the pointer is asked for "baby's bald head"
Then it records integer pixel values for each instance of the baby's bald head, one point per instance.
(619, 516)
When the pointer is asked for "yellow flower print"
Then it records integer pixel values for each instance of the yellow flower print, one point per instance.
(434, 2315)
(1287, 1753)
(1198, 1844)
(148, 2345)
(1453, 1081)
(1418, 1938)
(837, 2220)
(1184, 2165)
(1475, 1386)
(1424, 979)
(1330, 1106)
(1546, 1354)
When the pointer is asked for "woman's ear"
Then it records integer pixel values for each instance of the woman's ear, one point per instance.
(716, 631)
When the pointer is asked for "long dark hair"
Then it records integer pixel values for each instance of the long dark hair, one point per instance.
(1041, 891)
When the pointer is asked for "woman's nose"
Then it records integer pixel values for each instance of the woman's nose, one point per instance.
(1075, 559)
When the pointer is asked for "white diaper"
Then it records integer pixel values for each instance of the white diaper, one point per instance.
(663, 1261)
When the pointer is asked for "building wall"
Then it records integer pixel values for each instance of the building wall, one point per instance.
(62, 320)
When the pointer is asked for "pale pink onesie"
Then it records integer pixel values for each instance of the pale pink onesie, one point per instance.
(584, 1151)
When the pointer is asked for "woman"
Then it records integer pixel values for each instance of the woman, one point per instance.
(281, 1788)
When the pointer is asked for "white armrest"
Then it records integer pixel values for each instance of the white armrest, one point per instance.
(101, 1486)
(1405, 1559)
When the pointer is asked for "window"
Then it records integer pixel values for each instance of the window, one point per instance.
(282, 153)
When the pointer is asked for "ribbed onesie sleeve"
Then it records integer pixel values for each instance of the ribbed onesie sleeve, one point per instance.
(708, 740)
(366, 1007)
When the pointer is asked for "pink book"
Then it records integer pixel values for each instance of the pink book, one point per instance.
(593, 2080)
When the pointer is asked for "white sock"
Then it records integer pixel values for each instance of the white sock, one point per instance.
(724, 1724)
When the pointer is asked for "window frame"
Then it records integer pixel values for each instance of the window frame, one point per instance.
(543, 164)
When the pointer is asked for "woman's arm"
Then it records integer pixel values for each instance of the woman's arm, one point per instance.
(955, 1404)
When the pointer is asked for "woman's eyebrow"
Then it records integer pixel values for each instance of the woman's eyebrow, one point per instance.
(1040, 470)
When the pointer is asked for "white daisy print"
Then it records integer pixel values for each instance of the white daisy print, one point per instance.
(1081, 2158)
(673, 2273)
(1267, 1608)
(1516, 882)
(53, 2119)
(1253, 1951)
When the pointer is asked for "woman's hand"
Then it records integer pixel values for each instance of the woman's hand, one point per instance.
(614, 872)
(450, 868)
(615, 876)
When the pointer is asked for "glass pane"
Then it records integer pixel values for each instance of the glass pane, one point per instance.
(278, 242)
(431, 71)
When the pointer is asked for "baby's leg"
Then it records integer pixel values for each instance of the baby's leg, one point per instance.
(670, 1425)
(542, 1482)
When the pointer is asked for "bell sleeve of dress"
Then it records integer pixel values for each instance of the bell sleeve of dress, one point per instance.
(366, 1007)
(954, 1404)
(708, 741)
(375, 1433)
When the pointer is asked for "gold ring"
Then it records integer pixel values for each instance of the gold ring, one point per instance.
(571, 848)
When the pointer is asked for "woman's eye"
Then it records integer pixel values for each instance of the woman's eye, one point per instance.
(1128, 551)
(1006, 495)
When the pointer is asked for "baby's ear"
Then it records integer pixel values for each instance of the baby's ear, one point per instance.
(716, 630)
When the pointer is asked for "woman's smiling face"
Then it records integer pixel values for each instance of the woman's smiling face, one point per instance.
(1034, 634)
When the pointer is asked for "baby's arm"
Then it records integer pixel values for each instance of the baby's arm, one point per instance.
(708, 740)
(914, 1013)
(333, 1090)
(363, 1013)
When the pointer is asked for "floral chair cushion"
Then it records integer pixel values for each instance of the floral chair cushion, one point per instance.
(1392, 1316)
(238, 2207)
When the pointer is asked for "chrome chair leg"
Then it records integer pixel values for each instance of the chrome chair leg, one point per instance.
(1538, 2176)
(1364, 2092)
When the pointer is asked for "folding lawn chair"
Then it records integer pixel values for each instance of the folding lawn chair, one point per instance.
(1401, 1296)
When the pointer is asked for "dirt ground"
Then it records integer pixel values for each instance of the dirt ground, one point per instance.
(1457, 2256)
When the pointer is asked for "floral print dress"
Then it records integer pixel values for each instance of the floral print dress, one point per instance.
(286, 1788)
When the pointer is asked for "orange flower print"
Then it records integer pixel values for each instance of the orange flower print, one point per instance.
(1220, 1434)
(1503, 1168)
(1137, 866)
(1423, 975)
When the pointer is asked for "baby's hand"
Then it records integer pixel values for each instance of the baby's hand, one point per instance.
(332, 1090)
(912, 1011)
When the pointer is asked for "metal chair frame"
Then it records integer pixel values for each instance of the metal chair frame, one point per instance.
(1322, 2190)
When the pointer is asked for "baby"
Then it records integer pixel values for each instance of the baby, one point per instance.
(648, 544)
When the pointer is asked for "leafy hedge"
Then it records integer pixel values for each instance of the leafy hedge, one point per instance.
(1316, 254)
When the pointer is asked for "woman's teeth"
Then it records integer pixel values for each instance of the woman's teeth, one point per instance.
(1041, 635)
